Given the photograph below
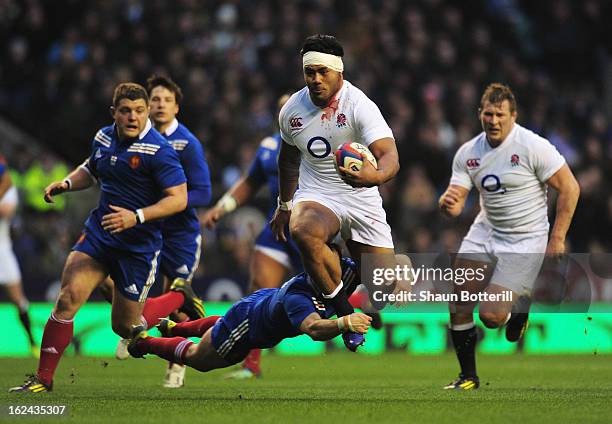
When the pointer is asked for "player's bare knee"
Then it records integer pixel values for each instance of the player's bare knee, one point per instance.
(493, 319)
(304, 232)
(68, 303)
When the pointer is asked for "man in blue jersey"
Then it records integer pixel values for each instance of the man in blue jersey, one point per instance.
(260, 320)
(141, 182)
(182, 240)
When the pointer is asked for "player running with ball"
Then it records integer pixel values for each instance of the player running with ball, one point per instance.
(511, 168)
(315, 121)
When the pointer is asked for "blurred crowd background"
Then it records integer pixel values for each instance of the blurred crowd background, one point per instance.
(425, 63)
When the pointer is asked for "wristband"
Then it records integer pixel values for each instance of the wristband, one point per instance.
(344, 323)
(139, 216)
(228, 203)
(68, 182)
(285, 206)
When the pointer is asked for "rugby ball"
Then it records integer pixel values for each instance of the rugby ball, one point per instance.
(348, 156)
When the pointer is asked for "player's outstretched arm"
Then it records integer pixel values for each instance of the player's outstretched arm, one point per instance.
(288, 173)
(451, 203)
(79, 179)
(237, 195)
(565, 183)
(320, 329)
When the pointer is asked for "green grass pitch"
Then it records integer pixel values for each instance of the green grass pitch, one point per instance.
(334, 388)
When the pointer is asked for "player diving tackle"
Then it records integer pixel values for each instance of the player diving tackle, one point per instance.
(260, 320)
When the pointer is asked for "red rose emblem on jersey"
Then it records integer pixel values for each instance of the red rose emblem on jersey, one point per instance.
(134, 161)
(341, 120)
(514, 160)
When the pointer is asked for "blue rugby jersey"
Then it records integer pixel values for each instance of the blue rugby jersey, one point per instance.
(264, 168)
(193, 160)
(132, 175)
(277, 314)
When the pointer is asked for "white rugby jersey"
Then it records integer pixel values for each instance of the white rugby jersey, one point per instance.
(510, 178)
(10, 197)
(318, 133)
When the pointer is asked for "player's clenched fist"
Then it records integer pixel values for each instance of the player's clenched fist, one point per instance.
(452, 201)
(356, 322)
(54, 189)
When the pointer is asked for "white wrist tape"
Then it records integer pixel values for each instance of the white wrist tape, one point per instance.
(345, 323)
(285, 206)
(68, 182)
(228, 203)
(141, 217)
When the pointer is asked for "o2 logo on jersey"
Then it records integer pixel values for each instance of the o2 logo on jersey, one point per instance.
(318, 147)
(492, 184)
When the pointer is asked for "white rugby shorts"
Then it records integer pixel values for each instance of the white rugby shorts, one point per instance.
(362, 218)
(9, 268)
(517, 257)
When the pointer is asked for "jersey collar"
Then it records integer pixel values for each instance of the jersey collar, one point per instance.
(171, 128)
(145, 131)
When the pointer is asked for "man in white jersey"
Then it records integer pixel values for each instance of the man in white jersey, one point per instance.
(315, 121)
(511, 168)
(10, 275)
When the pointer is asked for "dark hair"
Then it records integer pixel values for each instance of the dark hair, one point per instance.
(131, 91)
(166, 82)
(322, 43)
(496, 93)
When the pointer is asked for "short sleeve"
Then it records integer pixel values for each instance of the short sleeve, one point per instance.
(167, 168)
(298, 307)
(283, 123)
(546, 159)
(460, 174)
(370, 122)
(91, 163)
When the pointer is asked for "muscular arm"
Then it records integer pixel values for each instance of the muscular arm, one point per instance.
(174, 201)
(385, 152)
(565, 183)
(320, 329)
(288, 171)
(452, 202)
(80, 179)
